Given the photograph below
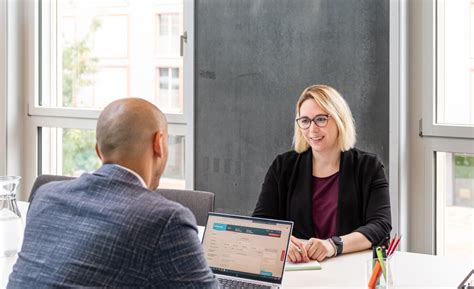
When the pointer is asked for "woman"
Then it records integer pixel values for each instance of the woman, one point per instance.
(336, 195)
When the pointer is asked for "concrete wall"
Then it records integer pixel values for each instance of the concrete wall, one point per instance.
(252, 60)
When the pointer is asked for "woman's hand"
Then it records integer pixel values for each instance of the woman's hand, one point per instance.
(297, 251)
(318, 249)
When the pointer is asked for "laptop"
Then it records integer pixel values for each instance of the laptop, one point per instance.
(246, 252)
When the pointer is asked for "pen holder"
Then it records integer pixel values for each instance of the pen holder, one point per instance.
(375, 278)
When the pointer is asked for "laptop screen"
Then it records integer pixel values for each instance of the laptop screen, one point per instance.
(246, 247)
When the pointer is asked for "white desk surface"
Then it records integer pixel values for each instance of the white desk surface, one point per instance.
(410, 270)
(6, 264)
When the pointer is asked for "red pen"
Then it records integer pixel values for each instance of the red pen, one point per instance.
(395, 245)
(391, 243)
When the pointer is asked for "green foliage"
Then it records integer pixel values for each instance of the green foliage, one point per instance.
(464, 166)
(79, 151)
(78, 66)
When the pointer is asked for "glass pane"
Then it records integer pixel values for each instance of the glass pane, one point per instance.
(102, 50)
(455, 204)
(66, 151)
(175, 74)
(174, 25)
(168, 33)
(109, 83)
(175, 101)
(161, 46)
(173, 176)
(164, 25)
(168, 94)
(71, 152)
(111, 37)
(164, 73)
(455, 94)
(163, 91)
(78, 152)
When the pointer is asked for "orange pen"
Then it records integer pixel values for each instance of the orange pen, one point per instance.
(375, 275)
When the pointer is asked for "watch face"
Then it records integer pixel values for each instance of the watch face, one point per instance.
(337, 239)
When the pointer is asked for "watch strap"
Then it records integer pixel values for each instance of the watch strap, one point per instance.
(333, 246)
(339, 244)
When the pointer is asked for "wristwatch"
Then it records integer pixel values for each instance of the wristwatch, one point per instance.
(339, 244)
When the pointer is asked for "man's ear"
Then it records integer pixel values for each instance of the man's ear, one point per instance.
(97, 151)
(157, 145)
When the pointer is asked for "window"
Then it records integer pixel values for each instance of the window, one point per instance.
(439, 148)
(455, 93)
(93, 52)
(167, 31)
(455, 204)
(450, 105)
(452, 128)
(454, 103)
(169, 92)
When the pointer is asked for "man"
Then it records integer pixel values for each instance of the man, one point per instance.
(108, 228)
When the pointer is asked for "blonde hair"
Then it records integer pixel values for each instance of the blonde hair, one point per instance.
(332, 102)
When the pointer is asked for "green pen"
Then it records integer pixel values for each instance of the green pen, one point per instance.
(382, 263)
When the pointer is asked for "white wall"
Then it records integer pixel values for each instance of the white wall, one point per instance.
(14, 98)
(3, 87)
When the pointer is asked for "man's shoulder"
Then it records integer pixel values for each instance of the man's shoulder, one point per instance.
(130, 199)
(163, 206)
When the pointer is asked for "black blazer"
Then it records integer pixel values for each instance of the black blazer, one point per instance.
(363, 204)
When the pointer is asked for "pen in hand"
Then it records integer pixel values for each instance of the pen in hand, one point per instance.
(300, 254)
(297, 246)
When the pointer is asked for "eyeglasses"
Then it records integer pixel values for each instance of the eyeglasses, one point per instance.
(321, 120)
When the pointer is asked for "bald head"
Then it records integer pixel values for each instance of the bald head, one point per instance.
(126, 127)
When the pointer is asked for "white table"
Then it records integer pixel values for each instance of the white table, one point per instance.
(6, 264)
(410, 270)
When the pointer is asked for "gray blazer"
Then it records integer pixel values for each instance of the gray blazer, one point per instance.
(106, 230)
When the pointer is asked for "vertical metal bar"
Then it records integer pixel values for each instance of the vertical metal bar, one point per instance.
(183, 39)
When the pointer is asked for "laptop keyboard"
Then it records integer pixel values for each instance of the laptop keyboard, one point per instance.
(237, 284)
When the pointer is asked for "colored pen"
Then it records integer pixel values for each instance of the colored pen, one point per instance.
(390, 246)
(375, 275)
(394, 247)
(382, 264)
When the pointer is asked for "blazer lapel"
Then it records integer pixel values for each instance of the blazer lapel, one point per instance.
(300, 197)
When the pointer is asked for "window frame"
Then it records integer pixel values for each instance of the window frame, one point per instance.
(440, 209)
(36, 116)
(428, 125)
(432, 137)
(436, 211)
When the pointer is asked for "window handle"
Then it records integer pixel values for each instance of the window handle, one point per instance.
(183, 39)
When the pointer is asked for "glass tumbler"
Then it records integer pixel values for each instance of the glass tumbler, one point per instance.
(382, 281)
(11, 225)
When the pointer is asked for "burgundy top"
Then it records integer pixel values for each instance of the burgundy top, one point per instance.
(325, 197)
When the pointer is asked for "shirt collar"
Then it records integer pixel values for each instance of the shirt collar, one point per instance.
(134, 173)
